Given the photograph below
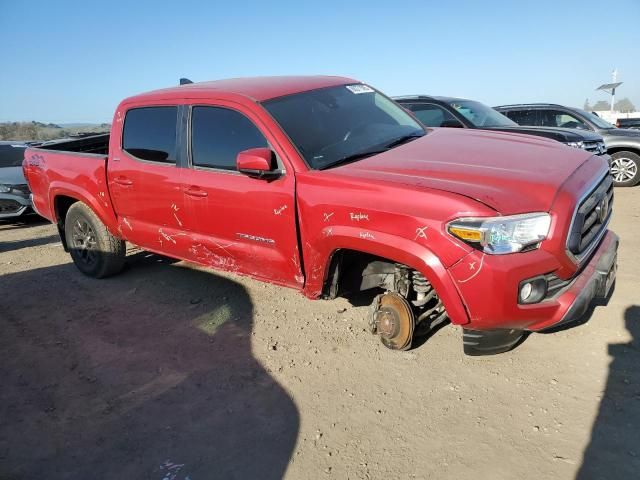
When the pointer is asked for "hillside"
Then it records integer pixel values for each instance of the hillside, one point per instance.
(47, 131)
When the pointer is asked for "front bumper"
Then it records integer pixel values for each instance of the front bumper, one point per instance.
(12, 206)
(488, 287)
(594, 282)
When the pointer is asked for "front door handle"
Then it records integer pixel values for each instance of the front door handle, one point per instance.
(196, 192)
(124, 181)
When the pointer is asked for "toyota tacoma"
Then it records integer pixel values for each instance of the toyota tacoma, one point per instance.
(327, 186)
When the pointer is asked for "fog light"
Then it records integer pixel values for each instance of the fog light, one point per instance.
(532, 290)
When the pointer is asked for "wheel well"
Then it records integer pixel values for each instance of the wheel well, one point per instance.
(61, 205)
(351, 271)
(613, 150)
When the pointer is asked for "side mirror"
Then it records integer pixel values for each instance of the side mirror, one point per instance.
(257, 162)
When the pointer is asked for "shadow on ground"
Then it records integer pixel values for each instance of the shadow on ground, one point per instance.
(614, 449)
(11, 245)
(24, 221)
(148, 374)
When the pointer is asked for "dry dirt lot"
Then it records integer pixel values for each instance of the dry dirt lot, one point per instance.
(171, 372)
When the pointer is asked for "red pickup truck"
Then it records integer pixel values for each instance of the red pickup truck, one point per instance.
(325, 185)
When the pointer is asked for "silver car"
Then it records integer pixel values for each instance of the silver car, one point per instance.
(14, 191)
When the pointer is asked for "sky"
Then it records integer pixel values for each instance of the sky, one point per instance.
(68, 62)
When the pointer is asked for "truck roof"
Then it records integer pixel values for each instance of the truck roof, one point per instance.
(256, 88)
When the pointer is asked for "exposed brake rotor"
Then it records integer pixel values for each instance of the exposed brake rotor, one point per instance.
(393, 321)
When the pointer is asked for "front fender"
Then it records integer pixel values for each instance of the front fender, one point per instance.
(317, 259)
(623, 143)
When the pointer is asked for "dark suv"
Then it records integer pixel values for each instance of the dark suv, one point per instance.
(460, 113)
(622, 144)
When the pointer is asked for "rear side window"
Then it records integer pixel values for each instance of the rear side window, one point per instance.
(434, 115)
(523, 117)
(219, 134)
(150, 133)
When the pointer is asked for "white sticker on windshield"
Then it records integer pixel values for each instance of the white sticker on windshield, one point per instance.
(360, 89)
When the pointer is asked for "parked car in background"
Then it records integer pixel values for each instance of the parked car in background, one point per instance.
(622, 144)
(325, 185)
(460, 113)
(14, 192)
(628, 123)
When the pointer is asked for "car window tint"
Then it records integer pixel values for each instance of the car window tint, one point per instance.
(219, 134)
(150, 133)
(558, 118)
(11, 155)
(522, 117)
(433, 115)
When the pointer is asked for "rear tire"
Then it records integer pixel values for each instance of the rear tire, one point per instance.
(94, 250)
(625, 169)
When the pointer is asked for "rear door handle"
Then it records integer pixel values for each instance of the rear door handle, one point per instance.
(124, 181)
(196, 192)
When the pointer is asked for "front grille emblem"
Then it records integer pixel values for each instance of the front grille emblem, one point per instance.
(603, 209)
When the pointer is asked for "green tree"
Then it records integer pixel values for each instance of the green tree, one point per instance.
(624, 105)
(600, 106)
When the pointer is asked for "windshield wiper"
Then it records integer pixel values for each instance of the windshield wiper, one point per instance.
(354, 157)
(404, 139)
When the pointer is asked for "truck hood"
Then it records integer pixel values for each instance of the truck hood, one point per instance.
(510, 173)
(556, 133)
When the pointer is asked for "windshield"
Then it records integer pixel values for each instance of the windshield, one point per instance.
(596, 120)
(11, 155)
(480, 115)
(334, 125)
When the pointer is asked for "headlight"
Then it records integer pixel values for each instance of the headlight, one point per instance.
(4, 188)
(498, 235)
(575, 144)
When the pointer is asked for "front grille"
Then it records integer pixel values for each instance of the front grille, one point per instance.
(9, 206)
(595, 147)
(591, 217)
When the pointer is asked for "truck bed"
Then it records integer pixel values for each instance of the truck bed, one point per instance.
(97, 144)
(72, 168)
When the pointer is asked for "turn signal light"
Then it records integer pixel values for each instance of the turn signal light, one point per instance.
(466, 234)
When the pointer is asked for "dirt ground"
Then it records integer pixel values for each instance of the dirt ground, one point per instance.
(171, 372)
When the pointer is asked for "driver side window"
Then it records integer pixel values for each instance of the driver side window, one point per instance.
(219, 134)
(558, 118)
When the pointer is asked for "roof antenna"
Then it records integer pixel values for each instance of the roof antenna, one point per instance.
(185, 81)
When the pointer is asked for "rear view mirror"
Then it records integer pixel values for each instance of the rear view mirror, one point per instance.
(258, 162)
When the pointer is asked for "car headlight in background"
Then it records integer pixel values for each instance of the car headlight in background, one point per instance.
(5, 188)
(575, 144)
(499, 235)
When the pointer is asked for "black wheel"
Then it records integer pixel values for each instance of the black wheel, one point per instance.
(625, 169)
(93, 249)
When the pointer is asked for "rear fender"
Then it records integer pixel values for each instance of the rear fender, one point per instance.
(98, 203)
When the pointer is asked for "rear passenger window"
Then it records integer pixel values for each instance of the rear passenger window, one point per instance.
(150, 133)
(219, 134)
(523, 117)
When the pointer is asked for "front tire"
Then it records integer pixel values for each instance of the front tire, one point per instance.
(625, 169)
(94, 250)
